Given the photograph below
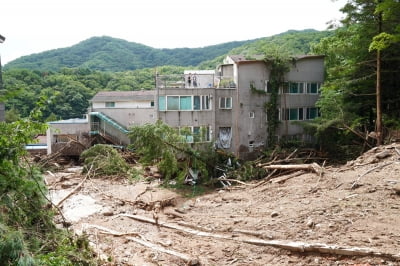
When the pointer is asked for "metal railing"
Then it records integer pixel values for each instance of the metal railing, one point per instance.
(194, 81)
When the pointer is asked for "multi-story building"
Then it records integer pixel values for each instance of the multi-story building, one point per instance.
(224, 104)
(219, 106)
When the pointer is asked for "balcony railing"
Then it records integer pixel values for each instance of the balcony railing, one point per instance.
(194, 81)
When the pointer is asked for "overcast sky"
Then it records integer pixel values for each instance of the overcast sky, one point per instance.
(36, 26)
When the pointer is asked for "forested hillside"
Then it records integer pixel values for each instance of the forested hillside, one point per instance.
(291, 42)
(111, 54)
(70, 88)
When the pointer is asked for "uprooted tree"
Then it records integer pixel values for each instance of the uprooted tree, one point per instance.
(161, 145)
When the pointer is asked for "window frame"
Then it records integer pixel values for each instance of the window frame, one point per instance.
(223, 103)
(109, 104)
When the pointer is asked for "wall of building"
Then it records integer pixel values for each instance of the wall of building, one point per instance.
(128, 117)
(76, 131)
(307, 69)
(251, 127)
(187, 117)
(124, 104)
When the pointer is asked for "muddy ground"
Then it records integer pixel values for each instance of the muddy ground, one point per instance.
(356, 205)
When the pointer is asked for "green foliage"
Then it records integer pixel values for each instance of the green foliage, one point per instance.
(161, 145)
(278, 60)
(348, 99)
(102, 160)
(292, 41)
(248, 171)
(13, 250)
(26, 225)
(381, 41)
(111, 54)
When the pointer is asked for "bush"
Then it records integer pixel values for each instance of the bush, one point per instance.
(104, 160)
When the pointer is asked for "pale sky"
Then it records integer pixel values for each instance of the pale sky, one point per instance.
(36, 26)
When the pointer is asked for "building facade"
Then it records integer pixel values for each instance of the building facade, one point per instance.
(216, 106)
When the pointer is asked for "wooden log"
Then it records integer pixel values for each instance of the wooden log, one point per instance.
(186, 258)
(313, 167)
(287, 245)
(322, 248)
(108, 231)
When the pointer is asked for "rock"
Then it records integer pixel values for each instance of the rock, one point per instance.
(383, 155)
(396, 189)
(108, 213)
(274, 214)
(310, 223)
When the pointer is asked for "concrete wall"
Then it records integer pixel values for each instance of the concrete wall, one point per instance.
(189, 118)
(251, 130)
(128, 104)
(128, 117)
(248, 114)
(77, 131)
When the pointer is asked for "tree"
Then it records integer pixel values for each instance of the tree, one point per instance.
(362, 83)
(162, 145)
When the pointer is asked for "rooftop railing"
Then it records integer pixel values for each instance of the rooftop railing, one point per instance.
(194, 81)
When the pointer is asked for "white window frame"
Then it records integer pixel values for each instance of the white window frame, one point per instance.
(223, 103)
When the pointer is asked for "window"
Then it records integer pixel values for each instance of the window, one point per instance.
(293, 87)
(312, 112)
(205, 102)
(251, 114)
(313, 87)
(196, 102)
(225, 103)
(292, 114)
(224, 137)
(161, 103)
(110, 104)
(185, 103)
(172, 102)
(152, 103)
(195, 133)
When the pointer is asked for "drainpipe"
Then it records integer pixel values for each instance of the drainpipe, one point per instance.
(237, 139)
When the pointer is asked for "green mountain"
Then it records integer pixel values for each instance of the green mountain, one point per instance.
(293, 42)
(111, 54)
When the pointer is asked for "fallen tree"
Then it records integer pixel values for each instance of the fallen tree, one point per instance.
(296, 246)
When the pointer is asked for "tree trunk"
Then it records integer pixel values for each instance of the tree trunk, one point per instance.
(379, 131)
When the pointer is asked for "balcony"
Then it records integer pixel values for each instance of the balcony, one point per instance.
(194, 81)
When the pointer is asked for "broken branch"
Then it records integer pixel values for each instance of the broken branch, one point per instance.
(59, 204)
(369, 171)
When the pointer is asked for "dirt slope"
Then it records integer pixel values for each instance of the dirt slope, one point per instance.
(352, 206)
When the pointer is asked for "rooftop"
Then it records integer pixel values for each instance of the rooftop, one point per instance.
(70, 121)
(124, 96)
